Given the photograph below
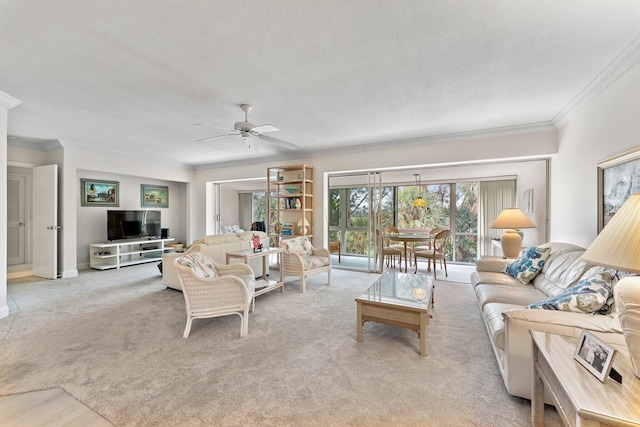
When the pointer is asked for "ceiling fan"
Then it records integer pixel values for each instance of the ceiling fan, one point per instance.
(248, 131)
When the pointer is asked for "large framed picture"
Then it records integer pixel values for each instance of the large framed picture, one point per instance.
(154, 196)
(594, 354)
(96, 192)
(618, 179)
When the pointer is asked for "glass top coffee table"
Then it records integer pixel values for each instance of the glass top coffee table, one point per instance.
(393, 300)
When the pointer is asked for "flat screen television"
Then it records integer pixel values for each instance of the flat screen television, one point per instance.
(133, 224)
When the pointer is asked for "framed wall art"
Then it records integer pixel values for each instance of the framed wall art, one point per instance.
(618, 178)
(154, 196)
(96, 192)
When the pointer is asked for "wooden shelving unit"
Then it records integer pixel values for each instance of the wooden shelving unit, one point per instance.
(289, 201)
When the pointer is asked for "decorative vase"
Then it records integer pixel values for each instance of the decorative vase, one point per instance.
(626, 294)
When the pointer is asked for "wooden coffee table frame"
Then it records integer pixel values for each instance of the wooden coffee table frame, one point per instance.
(264, 285)
(400, 312)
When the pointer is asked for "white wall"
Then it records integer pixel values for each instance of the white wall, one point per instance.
(423, 154)
(4, 308)
(606, 126)
(80, 226)
(6, 103)
(92, 220)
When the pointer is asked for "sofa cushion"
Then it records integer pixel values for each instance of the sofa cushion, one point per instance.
(201, 264)
(563, 271)
(217, 239)
(528, 264)
(521, 295)
(491, 278)
(587, 296)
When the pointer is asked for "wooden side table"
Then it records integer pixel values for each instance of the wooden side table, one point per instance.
(263, 285)
(580, 398)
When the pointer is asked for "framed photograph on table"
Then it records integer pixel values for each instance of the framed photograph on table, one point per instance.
(95, 192)
(594, 354)
(618, 179)
(154, 196)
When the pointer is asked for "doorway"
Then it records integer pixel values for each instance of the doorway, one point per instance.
(16, 218)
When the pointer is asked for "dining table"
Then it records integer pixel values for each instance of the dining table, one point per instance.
(408, 238)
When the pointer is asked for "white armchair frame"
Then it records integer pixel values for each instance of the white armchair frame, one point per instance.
(221, 295)
(294, 265)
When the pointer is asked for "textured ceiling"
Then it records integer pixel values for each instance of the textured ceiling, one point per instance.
(132, 77)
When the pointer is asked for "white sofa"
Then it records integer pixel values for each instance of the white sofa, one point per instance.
(216, 246)
(503, 303)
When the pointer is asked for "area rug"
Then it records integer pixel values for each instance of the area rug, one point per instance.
(113, 340)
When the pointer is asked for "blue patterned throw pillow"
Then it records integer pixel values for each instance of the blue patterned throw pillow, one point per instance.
(587, 296)
(528, 264)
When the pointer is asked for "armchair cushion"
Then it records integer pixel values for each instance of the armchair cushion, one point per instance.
(312, 262)
(200, 264)
(527, 266)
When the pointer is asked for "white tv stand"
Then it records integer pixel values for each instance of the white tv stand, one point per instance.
(120, 253)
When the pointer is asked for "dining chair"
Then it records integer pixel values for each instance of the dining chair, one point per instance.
(389, 253)
(437, 252)
(432, 233)
(396, 244)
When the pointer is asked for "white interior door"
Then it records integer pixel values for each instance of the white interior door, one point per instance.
(16, 219)
(45, 221)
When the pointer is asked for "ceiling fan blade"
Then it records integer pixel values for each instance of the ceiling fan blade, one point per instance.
(264, 129)
(211, 138)
(278, 142)
(213, 127)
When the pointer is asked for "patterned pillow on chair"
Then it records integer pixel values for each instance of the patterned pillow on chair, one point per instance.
(299, 245)
(200, 263)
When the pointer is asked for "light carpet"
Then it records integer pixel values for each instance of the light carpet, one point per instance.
(113, 340)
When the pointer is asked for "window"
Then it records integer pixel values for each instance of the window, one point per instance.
(450, 206)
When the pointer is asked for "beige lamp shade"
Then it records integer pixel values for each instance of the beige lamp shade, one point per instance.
(618, 244)
(512, 219)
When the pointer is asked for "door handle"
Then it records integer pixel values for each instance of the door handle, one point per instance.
(54, 227)
(20, 224)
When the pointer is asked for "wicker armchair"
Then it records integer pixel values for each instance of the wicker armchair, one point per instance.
(213, 290)
(302, 260)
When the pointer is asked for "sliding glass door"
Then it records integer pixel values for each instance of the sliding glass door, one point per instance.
(357, 204)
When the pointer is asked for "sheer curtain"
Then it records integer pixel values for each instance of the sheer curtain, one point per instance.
(494, 197)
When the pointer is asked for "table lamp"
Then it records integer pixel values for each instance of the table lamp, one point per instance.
(512, 219)
(618, 246)
(302, 225)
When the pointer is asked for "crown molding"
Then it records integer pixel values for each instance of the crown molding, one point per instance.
(33, 143)
(619, 66)
(8, 101)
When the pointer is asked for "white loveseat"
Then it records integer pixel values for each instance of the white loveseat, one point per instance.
(503, 303)
(216, 246)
